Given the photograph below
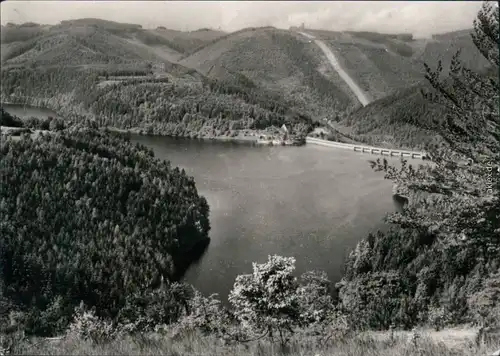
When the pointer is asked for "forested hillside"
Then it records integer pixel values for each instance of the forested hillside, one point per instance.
(74, 45)
(121, 75)
(384, 64)
(94, 41)
(279, 61)
(389, 67)
(184, 104)
(90, 217)
(404, 120)
(124, 76)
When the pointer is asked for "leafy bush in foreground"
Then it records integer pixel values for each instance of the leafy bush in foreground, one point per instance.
(271, 302)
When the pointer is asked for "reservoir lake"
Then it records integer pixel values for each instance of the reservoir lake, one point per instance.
(311, 202)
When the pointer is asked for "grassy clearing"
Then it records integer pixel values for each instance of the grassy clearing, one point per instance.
(197, 344)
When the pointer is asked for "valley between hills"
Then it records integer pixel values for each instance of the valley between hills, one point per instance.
(228, 85)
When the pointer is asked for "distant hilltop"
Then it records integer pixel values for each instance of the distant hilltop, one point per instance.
(396, 36)
(102, 23)
(373, 35)
(124, 26)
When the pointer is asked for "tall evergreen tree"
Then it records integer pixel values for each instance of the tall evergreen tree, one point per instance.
(445, 243)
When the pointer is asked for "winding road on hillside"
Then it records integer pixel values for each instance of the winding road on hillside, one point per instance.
(363, 99)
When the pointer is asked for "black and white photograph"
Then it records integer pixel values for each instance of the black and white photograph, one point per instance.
(250, 178)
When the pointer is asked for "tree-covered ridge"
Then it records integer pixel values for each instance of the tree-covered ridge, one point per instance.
(80, 41)
(75, 46)
(171, 109)
(90, 217)
(404, 120)
(182, 105)
(280, 61)
(88, 42)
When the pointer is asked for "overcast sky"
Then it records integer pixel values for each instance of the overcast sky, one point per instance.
(419, 18)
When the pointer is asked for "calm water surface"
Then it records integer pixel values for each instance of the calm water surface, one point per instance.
(314, 203)
(25, 111)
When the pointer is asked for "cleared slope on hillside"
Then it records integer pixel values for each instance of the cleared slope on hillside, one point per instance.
(171, 44)
(332, 58)
(182, 42)
(383, 64)
(279, 61)
(444, 46)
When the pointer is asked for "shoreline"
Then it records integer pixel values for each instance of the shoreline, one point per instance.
(251, 140)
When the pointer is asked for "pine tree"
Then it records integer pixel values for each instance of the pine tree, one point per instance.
(451, 223)
(456, 196)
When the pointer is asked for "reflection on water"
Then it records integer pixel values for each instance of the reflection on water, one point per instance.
(25, 111)
(314, 203)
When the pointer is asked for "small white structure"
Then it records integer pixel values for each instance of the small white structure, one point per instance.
(284, 130)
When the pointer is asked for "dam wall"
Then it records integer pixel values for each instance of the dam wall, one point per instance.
(367, 149)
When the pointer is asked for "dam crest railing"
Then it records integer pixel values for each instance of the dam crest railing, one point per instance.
(368, 149)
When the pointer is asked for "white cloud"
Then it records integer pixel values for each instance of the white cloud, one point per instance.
(382, 16)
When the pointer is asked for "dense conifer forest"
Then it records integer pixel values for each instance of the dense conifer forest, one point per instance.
(170, 106)
(89, 217)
